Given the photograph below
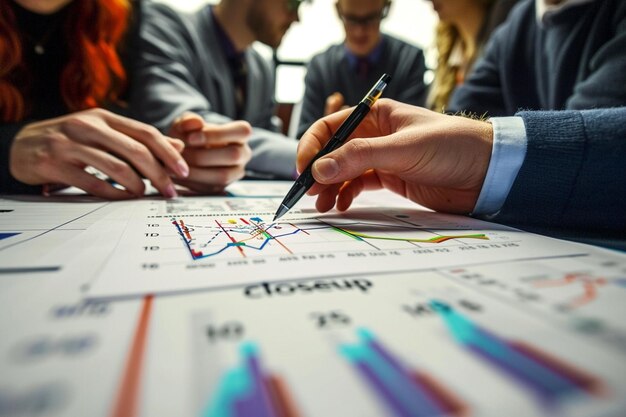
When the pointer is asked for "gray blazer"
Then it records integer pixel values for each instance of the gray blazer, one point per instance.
(182, 67)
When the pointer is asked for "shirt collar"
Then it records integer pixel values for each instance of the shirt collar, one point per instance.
(372, 58)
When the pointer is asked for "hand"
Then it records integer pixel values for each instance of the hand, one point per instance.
(334, 103)
(58, 151)
(217, 154)
(436, 160)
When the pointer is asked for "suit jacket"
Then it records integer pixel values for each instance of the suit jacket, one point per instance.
(182, 67)
(330, 71)
(574, 60)
(574, 172)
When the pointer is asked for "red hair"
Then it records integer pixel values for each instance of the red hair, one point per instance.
(94, 74)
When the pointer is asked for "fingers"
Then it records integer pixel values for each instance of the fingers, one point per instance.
(178, 144)
(201, 179)
(213, 135)
(186, 123)
(334, 103)
(141, 157)
(359, 155)
(74, 176)
(115, 168)
(154, 141)
(317, 136)
(351, 189)
(327, 197)
(230, 155)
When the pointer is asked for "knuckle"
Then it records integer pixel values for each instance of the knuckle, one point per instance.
(78, 124)
(117, 166)
(53, 147)
(138, 152)
(148, 132)
(360, 151)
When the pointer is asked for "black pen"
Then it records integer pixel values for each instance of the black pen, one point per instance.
(305, 180)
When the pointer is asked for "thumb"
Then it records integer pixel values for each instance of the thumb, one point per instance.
(357, 156)
(186, 123)
(334, 103)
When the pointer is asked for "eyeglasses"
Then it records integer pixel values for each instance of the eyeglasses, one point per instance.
(293, 5)
(365, 21)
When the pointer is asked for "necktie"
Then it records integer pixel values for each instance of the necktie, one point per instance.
(362, 68)
(240, 77)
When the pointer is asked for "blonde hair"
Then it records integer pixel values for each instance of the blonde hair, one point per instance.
(446, 37)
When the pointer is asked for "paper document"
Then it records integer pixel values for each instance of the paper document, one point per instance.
(201, 243)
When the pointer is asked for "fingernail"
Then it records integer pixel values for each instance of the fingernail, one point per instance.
(182, 169)
(170, 191)
(326, 168)
(196, 138)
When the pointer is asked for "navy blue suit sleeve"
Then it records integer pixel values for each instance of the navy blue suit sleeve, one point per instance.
(574, 172)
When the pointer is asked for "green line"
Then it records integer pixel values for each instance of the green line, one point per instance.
(345, 232)
(435, 239)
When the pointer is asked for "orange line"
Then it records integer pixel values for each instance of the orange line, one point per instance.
(283, 402)
(586, 381)
(587, 297)
(450, 402)
(185, 230)
(126, 404)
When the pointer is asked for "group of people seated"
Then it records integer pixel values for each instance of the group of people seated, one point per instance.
(138, 90)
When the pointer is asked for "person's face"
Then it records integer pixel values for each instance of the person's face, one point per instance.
(361, 21)
(452, 11)
(43, 6)
(269, 20)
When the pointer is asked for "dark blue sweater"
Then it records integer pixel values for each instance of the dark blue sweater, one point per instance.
(577, 60)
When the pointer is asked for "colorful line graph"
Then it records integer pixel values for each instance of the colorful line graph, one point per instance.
(550, 378)
(435, 239)
(406, 392)
(246, 391)
(254, 234)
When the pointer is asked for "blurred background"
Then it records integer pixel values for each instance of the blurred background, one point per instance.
(410, 20)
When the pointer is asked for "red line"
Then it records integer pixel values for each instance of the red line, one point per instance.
(126, 404)
(185, 230)
(283, 402)
(296, 227)
(244, 220)
(450, 403)
(585, 381)
(231, 238)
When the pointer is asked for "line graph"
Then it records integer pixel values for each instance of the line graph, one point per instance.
(254, 234)
(205, 243)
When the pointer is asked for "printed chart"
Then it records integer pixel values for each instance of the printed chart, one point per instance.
(29, 232)
(207, 243)
(331, 351)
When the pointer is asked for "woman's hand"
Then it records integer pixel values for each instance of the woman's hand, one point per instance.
(58, 151)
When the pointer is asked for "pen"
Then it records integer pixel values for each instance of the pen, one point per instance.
(306, 180)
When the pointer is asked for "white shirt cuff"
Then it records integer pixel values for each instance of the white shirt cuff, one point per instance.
(507, 156)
